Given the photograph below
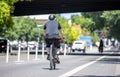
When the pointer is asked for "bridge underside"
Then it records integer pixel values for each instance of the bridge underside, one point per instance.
(64, 6)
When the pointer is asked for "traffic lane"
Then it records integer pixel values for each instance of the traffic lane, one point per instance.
(42, 68)
(103, 68)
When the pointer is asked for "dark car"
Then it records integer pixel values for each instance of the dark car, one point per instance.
(3, 45)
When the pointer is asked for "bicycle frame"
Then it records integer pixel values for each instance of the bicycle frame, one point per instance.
(101, 49)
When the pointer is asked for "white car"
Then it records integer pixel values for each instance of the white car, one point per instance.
(79, 46)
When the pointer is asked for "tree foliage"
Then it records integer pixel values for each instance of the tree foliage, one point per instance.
(96, 18)
(65, 27)
(85, 23)
(76, 31)
(71, 33)
(23, 29)
(5, 10)
(113, 20)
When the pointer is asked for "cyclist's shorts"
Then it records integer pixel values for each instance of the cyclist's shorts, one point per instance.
(49, 41)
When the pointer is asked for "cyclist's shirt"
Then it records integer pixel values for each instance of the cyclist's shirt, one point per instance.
(52, 28)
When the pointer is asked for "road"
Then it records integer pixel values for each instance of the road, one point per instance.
(75, 64)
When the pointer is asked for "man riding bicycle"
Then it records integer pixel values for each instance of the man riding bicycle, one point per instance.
(101, 45)
(52, 30)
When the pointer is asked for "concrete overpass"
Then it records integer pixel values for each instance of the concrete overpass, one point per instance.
(63, 6)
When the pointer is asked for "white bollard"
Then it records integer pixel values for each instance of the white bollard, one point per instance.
(19, 50)
(65, 50)
(10, 48)
(90, 47)
(7, 53)
(43, 50)
(36, 52)
(28, 53)
(69, 50)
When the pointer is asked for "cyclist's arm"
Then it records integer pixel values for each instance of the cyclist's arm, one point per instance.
(61, 32)
(44, 30)
(44, 33)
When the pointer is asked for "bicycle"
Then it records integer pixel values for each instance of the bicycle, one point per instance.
(53, 53)
(101, 49)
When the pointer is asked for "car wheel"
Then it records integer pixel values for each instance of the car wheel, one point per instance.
(73, 50)
(84, 50)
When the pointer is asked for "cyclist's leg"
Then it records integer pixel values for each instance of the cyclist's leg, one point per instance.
(48, 53)
(57, 44)
(48, 49)
(57, 52)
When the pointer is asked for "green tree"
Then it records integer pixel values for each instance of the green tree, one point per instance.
(85, 23)
(70, 33)
(75, 32)
(6, 11)
(6, 8)
(113, 20)
(65, 27)
(95, 37)
(23, 28)
(96, 18)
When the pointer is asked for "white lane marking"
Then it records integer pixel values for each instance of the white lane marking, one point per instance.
(80, 68)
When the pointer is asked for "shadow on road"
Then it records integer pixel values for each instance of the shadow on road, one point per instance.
(49, 69)
(105, 53)
(94, 76)
(95, 54)
(110, 61)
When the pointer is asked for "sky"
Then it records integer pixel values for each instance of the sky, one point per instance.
(45, 16)
(68, 15)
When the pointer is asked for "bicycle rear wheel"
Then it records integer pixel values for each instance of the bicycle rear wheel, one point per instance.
(51, 65)
(54, 64)
(52, 57)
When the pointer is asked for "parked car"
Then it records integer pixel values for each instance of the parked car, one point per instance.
(3, 45)
(14, 47)
(79, 46)
(40, 46)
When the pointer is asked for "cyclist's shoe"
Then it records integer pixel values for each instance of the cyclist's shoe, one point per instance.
(48, 57)
(57, 60)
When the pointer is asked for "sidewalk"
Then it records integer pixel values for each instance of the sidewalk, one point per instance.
(95, 49)
(24, 56)
(23, 59)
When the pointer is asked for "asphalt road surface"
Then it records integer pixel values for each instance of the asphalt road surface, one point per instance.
(75, 64)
